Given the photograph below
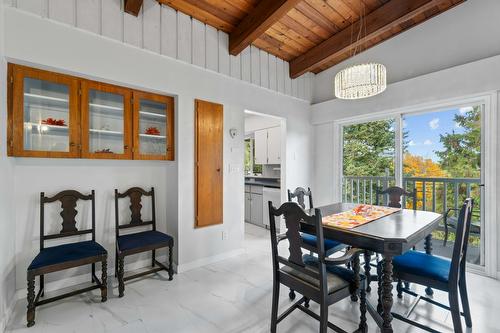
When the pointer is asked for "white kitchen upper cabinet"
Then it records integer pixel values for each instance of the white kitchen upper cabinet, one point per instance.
(260, 146)
(274, 145)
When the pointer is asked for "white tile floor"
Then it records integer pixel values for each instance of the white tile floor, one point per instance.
(230, 296)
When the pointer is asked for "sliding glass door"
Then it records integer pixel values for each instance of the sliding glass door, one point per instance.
(437, 152)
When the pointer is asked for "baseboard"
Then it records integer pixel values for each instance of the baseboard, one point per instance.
(6, 316)
(181, 268)
(83, 278)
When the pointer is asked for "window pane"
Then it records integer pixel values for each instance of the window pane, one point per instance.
(106, 122)
(46, 116)
(153, 127)
(368, 159)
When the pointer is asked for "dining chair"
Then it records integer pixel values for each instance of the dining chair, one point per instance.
(321, 279)
(331, 246)
(139, 242)
(439, 273)
(69, 255)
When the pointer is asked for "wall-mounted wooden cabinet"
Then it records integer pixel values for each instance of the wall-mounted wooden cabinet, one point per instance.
(56, 115)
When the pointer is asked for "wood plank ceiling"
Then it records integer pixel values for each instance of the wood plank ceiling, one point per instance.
(312, 35)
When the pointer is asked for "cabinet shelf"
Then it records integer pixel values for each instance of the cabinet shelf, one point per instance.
(106, 107)
(45, 127)
(105, 132)
(152, 114)
(149, 136)
(48, 98)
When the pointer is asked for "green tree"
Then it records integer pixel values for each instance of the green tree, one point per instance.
(461, 154)
(369, 148)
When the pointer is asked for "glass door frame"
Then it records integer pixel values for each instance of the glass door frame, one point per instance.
(488, 158)
(18, 74)
(86, 86)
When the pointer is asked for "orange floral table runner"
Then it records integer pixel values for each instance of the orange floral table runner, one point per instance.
(357, 216)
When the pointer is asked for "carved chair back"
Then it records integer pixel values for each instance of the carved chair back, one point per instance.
(300, 193)
(395, 195)
(459, 255)
(68, 213)
(135, 195)
(294, 215)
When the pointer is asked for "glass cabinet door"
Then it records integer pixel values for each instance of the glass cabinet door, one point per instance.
(106, 121)
(45, 114)
(153, 126)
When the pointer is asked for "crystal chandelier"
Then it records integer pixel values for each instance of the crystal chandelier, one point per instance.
(360, 81)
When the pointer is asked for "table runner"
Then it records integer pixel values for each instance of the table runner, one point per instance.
(357, 216)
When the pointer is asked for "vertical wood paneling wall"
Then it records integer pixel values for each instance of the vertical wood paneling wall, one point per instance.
(165, 31)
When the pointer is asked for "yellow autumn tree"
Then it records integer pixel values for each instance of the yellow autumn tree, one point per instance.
(417, 166)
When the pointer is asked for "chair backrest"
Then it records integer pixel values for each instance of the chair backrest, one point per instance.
(68, 213)
(300, 193)
(395, 194)
(135, 195)
(294, 215)
(459, 253)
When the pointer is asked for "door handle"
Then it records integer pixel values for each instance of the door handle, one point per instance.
(218, 169)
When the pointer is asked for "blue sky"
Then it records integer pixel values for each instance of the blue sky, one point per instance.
(424, 130)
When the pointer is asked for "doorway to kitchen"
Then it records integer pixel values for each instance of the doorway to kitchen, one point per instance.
(265, 138)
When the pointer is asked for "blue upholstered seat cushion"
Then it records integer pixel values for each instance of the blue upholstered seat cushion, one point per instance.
(329, 243)
(141, 239)
(66, 252)
(421, 264)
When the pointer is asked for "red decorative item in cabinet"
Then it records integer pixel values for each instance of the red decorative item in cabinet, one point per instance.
(54, 122)
(152, 131)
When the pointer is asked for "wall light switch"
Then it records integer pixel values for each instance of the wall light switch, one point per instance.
(225, 235)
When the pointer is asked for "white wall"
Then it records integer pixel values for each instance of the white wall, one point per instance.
(255, 122)
(7, 222)
(457, 82)
(37, 41)
(163, 30)
(466, 33)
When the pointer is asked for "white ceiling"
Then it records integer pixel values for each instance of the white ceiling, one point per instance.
(466, 33)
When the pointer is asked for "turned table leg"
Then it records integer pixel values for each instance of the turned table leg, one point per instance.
(428, 250)
(368, 258)
(386, 294)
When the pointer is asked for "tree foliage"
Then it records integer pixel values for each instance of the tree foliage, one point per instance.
(369, 148)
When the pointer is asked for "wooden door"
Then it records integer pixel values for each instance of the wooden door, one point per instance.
(106, 121)
(45, 114)
(208, 162)
(153, 126)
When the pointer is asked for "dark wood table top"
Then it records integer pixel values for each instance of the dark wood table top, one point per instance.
(393, 234)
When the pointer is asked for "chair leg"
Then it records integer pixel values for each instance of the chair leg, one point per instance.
(121, 283)
(30, 315)
(170, 263)
(93, 273)
(104, 280)
(379, 289)
(291, 294)
(455, 310)
(42, 285)
(465, 300)
(399, 288)
(306, 303)
(116, 264)
(429, 291)
(445, 240)
(153, 258)
(368, 259)
(323, 318)
(274, 309)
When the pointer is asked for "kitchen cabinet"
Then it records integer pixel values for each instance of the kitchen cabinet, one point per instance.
(273, 195)
(248, 207)
(253, 204)
(268, 146)
(54, 115)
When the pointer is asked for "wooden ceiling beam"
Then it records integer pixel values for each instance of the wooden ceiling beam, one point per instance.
(133, 7)
(261, 18)
(378, 22)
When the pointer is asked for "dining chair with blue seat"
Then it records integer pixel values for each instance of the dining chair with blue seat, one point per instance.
(65, 256)
(139, 242)
(331, 246)
(321, 279)
(439, 273)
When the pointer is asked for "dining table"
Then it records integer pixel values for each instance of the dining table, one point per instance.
(390, 236)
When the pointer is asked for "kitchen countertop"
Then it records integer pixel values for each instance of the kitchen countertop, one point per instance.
(262, 181)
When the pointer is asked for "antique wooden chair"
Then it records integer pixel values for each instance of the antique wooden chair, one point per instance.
(439, 273)
(141, 241)
(321, 278)
(450, 222)
(331, 246)
(70, 255)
